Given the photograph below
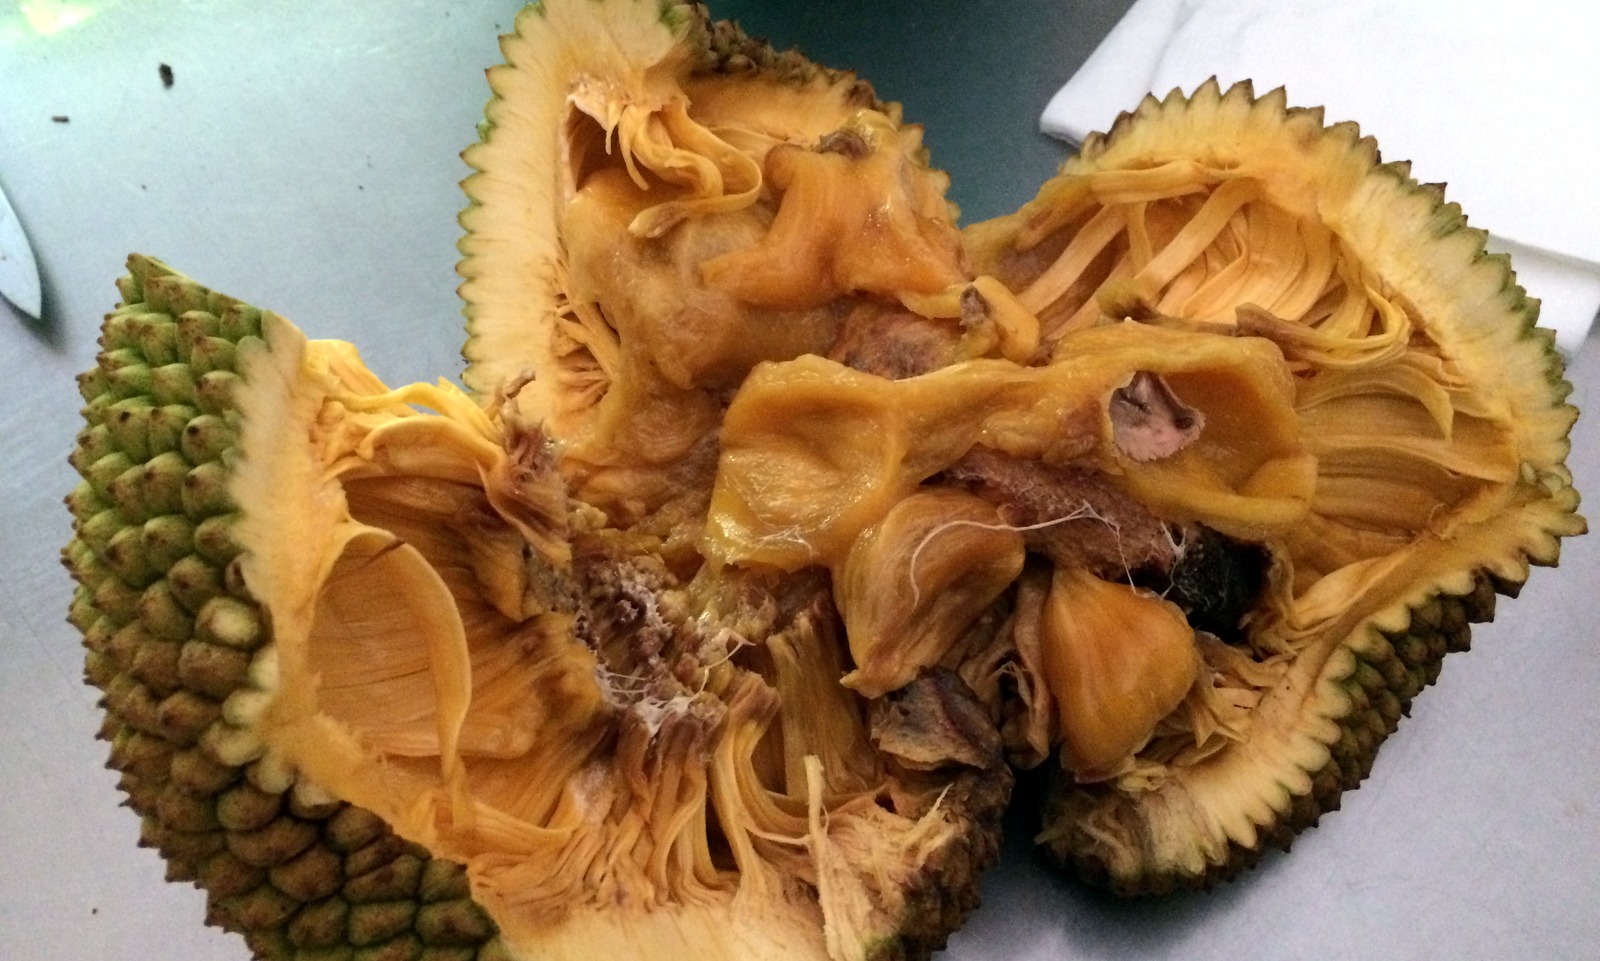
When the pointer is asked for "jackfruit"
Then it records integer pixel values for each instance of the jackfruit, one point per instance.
(706, 206)
(779, 514)
(475, 628)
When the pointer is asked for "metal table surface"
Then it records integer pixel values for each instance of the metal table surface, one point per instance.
(305, 159)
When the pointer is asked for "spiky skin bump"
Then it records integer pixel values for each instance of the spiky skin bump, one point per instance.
(729, 50)
(171, 631)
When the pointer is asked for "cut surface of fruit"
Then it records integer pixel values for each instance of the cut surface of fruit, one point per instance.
(1430, 406)
(422, 628)
(778, 515)
(698, 205)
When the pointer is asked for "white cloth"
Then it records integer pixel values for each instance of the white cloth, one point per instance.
(1499, 101)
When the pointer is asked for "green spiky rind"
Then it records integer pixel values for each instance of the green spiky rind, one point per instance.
(1399, 650)
(172, 633)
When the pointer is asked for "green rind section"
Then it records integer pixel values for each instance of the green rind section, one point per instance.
(171, 631)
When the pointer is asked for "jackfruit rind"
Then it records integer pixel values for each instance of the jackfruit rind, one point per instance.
(184, 653)
(1434, 404)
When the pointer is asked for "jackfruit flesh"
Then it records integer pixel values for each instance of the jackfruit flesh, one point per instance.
(1253, 335)
(779, 514)
(708, 206)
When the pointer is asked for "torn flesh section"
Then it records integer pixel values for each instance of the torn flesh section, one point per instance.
(1078, 518)
(893, 343)
(1106, 482)
(934, 722)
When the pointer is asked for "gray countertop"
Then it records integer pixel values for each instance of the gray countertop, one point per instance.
(305, 159)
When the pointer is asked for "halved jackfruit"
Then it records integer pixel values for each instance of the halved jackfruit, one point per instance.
(780, 511)
(482, 635)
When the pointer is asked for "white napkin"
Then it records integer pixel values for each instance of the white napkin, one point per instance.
(1499, 101)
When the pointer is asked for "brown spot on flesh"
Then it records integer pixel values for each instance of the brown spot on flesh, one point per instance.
(1216, 582)
(933, 722)
(1076, 516)
(1149, 422)
(974, 307)
(894, 344)
(620, 618)
(845, 141)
